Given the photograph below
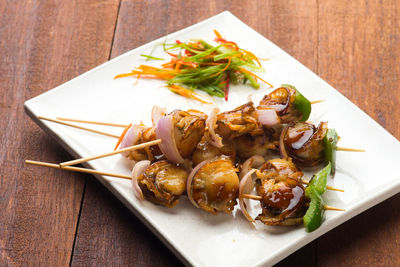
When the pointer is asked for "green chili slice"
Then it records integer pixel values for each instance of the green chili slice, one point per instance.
(320, 179)
(315, 213)
(301, 103)
(330, 142)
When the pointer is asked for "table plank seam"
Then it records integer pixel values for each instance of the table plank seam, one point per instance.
(115, 29)
(77, 223)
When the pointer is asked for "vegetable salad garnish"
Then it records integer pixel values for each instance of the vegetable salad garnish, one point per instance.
(196, 64)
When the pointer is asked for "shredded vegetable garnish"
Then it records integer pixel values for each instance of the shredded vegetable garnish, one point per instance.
(198, 65)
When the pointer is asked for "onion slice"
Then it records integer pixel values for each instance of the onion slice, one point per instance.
(253, 161)
(138, 170)
(268, 117)
(246, 186)
(156, 113)
(131, 137)
(211, 121)
(282, 147)
(190, 181)
(165, 132)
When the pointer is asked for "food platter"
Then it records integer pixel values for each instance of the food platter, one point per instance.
(196, 237)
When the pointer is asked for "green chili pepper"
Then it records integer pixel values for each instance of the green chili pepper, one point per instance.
(330, 142)
(320, 179)
(315, 213)
(317, 186)
(301, 103)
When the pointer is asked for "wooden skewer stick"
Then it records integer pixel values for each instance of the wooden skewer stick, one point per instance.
(79, 127)
(130, 148)
(317, 101)
(260, 198)
(339, 148)
(327, 187)
(93, 122)
(252, 197)
(76, 169)
(332, 208)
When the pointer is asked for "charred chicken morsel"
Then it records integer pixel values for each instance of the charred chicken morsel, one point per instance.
(304, 143)
(283, 195)
(242, 120)
(213, 186)
(188, 130)
(288, 103)
(180, 131)
(138, 134)
(162, 183)
(206, 151)
(247, 146)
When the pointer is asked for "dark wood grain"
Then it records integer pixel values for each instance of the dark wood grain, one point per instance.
(42, 44)
(54, 218)
(359, 55)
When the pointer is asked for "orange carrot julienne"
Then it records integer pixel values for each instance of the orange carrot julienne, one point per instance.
(224, 69)
(186, 92)
(217, 34)
(122, 136)
(249, 72)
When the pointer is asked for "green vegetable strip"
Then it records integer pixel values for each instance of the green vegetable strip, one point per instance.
(317, 186)
(301, 103)
(320, 179)
(151, 57)
(330, 142)
(315, 213)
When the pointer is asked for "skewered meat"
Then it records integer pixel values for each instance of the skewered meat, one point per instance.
(138, 134)
(206, 151)
(247, 145)
(213, 186)
(242, 120)
(304, 143)
(283, 195)
(282, 101)
(188, 129)
(163, 183)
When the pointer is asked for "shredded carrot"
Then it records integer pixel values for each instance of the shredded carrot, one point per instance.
(218, 34)
(249, 72)
(122, 136)
(186, 92)
(224, 69)
(253, 56)
(124, 75)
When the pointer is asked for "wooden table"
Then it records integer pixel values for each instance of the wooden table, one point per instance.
(56, 218)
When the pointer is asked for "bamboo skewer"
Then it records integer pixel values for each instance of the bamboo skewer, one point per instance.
(327, 187)
(339, 148)
(61, 120)
(260, 198)
(78, 127)
(317, 101)
(77, 169)
(130, 148)
(93, 122)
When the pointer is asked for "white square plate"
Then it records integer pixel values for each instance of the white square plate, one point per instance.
(196, 237)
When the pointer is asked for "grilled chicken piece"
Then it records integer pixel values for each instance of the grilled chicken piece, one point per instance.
(163, 183)
(206, 151)
(282, 101)
(139, 134)
(247, 146)
(189, 127)
(242, 120)
(304, 143)
(215, 186)
(283, 195)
